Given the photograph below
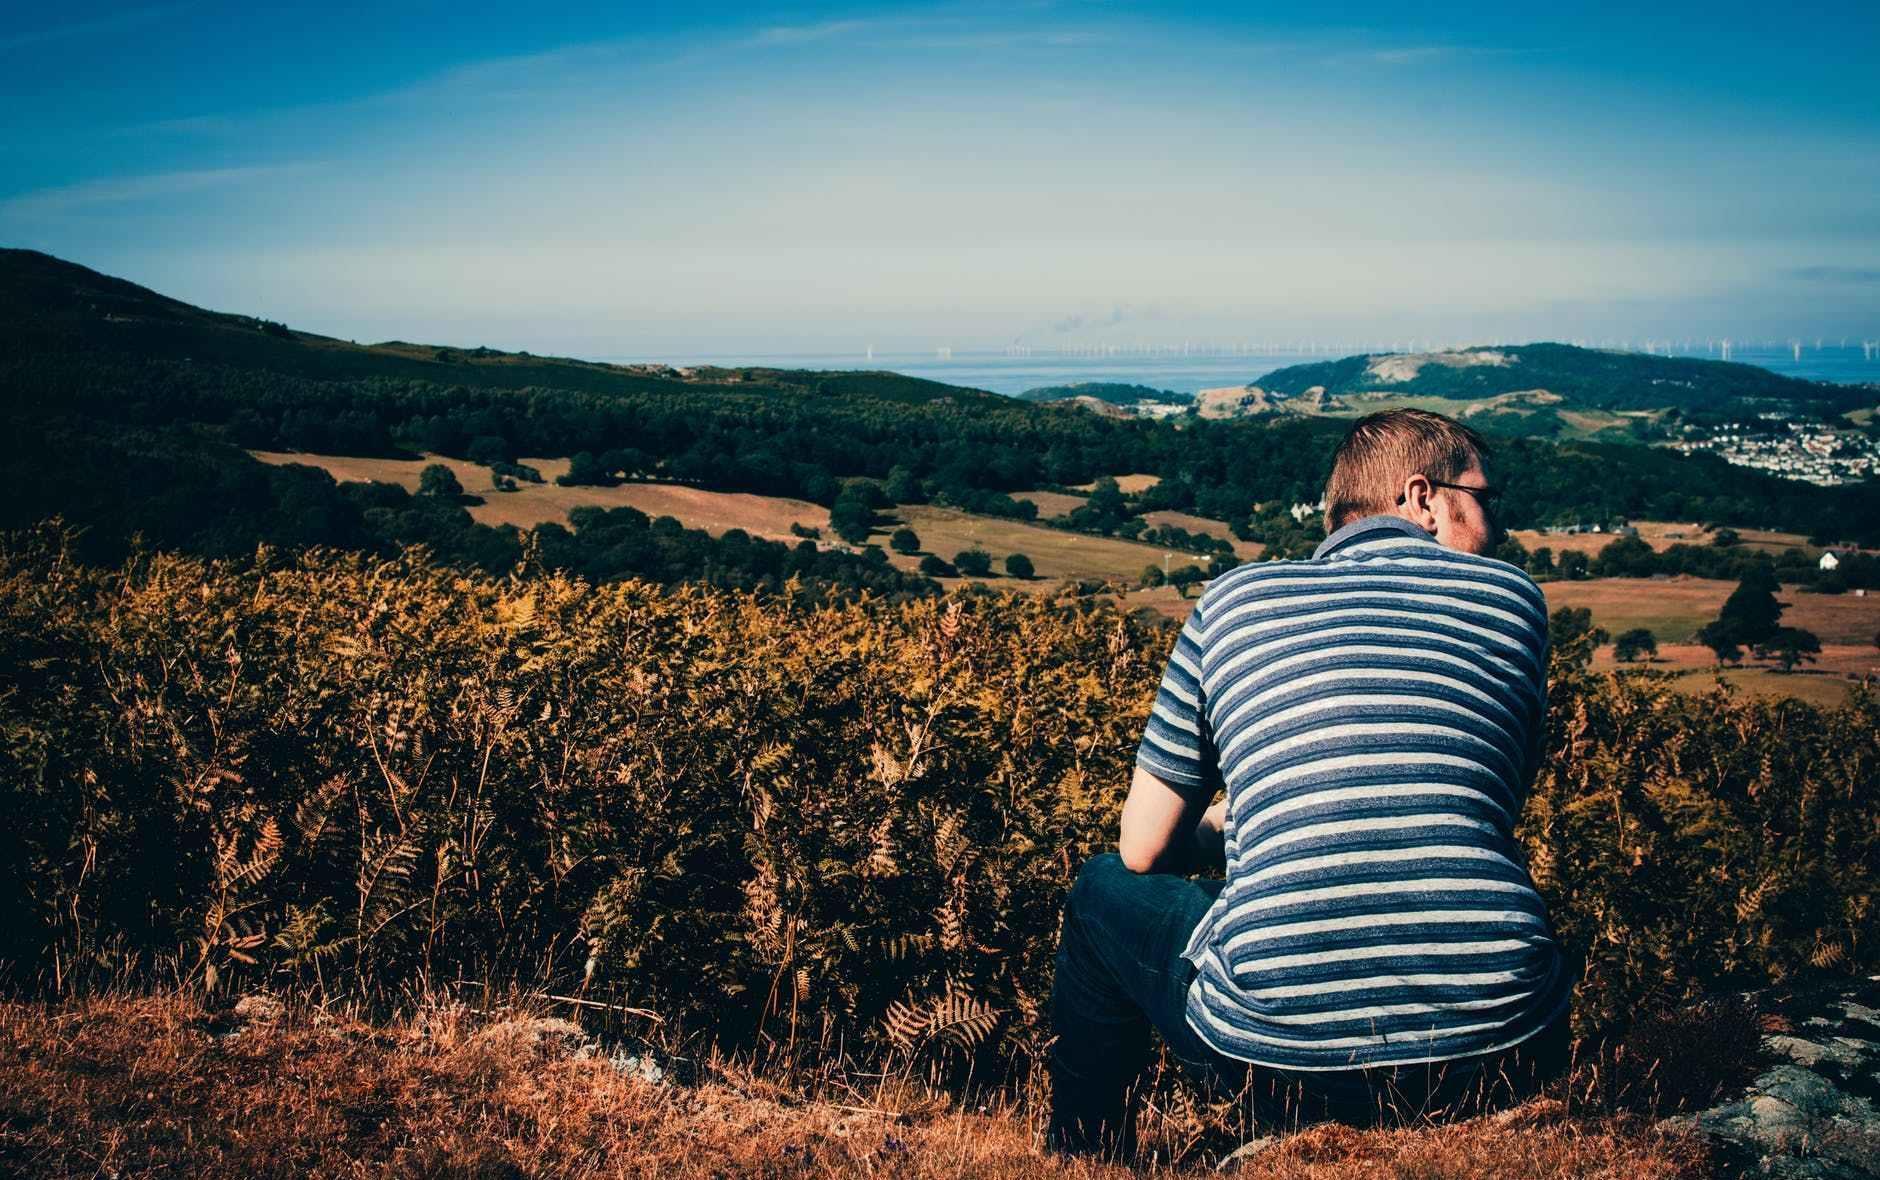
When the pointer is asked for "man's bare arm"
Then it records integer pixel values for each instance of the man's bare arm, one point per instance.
(1162, 832)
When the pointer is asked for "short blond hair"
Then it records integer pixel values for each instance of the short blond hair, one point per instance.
(1384, 449)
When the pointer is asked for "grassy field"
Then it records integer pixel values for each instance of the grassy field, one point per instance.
(1826, 682)
(1052, 503)
(533, 504)
(161, 1086)
(1673, 609)
(1660, 535)
(1054, 553)
(1126, 483)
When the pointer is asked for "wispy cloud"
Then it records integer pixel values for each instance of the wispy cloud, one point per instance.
(123, 190)
(120, 22)
(808, 34)
(1836, 274)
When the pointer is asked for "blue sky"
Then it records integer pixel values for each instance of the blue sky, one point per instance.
(678, 180)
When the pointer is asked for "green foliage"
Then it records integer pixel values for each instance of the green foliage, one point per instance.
(1153, 576)
(1184, 576)
(1789, 646)
(935, 566)
(1638, 643)
(440, 481)
(852, 517)
(1721, 639)
(974, 563)
(1018, 565)
(1573, 564)
(1570, 629)
(904, 540)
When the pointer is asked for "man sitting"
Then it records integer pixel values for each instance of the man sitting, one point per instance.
(1375, 717)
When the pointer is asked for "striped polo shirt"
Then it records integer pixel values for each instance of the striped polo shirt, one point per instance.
(1375, 715)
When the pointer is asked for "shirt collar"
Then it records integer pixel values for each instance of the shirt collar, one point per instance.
(1371, 528)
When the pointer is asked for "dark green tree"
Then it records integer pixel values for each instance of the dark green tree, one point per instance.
(974, 562)
(1019, 566)
(1752, 612)
(904, 540)
(1626, 557)
(1789, 646)
(851, 518)
(1541, 561)
(439, 480)
(1721, 640)
(1152, 576)
(1573, 564)
(935, 566)
(1182, 577)
(1638, 643)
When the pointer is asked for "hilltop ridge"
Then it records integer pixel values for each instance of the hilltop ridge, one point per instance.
(1583, 377)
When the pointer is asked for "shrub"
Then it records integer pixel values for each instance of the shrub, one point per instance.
(974, 563)
(904, 540)
(439, 480)
(1638, 643)
(354, 772)
(935, 566)
(1019, 566)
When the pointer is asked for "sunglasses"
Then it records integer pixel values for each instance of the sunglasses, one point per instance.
(1487, 495)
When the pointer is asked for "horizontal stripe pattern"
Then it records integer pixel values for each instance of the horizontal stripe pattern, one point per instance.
(1375, 716)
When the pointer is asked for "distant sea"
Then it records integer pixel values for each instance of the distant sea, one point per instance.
(1186, 373)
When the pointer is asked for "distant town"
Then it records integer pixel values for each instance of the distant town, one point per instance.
(1802, 449)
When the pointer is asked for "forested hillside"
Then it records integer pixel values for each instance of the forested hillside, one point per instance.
(1585, 377)
(130, 414)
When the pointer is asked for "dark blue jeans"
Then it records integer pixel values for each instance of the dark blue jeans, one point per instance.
(1120, 974)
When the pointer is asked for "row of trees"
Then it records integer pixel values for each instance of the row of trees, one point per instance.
(1631, 557)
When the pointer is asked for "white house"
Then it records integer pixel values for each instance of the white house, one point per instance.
(1829, 560)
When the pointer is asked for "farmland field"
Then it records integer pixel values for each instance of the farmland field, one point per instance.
(1054, 553)
(1660, 535)
(532, 504)
(1674, 608)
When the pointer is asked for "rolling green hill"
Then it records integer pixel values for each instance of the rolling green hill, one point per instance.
(1584, 378)
(132, 414)
(1115, 393)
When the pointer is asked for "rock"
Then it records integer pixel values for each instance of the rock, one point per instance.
(536, 1036)
(1812, 1116)
(259, 1008)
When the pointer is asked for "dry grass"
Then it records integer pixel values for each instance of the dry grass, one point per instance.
(1674, 608)
(1055, 553)
(1660, 535)
(1245, 550)
(1052, 503)
(1125, 483)
(533, 504)
(134, 1087)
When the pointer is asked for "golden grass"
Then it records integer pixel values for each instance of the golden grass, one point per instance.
(1052, 503)
(1660, 535)
(131, 1086)
(533, 504)
(1125, 483)
(1055, 553)
(1674, 608)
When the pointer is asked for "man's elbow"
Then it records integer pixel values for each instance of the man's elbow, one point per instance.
(1135, 858)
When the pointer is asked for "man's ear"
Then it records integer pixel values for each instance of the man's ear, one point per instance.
(1419, 503)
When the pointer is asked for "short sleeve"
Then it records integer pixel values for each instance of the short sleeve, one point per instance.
(1177, 745)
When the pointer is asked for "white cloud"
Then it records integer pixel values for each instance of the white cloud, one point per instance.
(122, 190)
